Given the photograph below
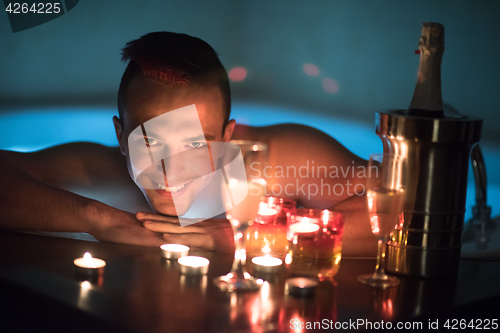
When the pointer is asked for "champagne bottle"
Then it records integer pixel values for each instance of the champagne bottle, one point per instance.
(427, 100)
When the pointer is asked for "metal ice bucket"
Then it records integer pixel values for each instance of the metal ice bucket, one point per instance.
(437, 151)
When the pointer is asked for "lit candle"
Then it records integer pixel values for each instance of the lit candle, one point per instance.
(173, 251)
(267, 264)
(265, 210)
(88, 262)
(304, 227)
(300, 286)
(88, 267)
(193, 265)
(266, 214)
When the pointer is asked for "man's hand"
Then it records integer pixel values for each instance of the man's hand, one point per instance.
(117, 226)
(212, 234)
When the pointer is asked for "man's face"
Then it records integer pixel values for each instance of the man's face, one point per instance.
(175, 141)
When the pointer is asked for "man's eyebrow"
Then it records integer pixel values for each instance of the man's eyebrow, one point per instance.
(207, 137)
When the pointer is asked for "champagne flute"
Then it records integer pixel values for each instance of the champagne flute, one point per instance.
(384, 193)
(242, 214)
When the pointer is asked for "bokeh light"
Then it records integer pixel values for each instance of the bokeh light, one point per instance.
(330, 85)
(311, 70)
(237, 74)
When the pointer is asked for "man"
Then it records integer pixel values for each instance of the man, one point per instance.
(168, 72)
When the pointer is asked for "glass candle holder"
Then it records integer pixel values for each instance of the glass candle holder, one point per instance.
(316, 242)
(268, 235)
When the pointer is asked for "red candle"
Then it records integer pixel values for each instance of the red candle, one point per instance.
(317, 236)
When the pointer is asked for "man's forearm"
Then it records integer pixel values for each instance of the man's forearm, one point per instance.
(358, 240)
(28, 204)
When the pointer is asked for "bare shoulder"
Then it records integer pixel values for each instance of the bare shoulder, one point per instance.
(298, 142)
(71, 163)
(306, 164)
(289, 133)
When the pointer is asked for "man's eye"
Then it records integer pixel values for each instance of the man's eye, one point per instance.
(150, 142)
(196, 144)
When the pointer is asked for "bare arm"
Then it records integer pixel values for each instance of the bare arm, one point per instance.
(307, 165)
(358, 240)
(29, 203)
(23, 198)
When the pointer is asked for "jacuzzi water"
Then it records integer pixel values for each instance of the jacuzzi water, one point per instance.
(32, 129)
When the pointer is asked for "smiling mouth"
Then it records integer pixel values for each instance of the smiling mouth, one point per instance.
(172, 189)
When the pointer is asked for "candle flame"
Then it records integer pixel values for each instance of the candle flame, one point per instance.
(87, 256)
(326, 217)
(266, 249)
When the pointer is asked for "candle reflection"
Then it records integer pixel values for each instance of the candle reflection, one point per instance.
(321, 308)
(254, 312)
(234, 307)
(83, 297)
(193, 281)
(267, 307)
(383, 300)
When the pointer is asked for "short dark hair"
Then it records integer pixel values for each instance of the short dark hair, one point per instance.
(176, 58)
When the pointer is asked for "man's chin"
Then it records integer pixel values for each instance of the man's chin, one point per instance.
(168, 208)
(164, 204)
(168, 211)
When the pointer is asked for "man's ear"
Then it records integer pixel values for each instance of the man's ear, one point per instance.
(119, 133)
(228, 132)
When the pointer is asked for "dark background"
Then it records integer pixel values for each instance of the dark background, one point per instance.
(366, 47)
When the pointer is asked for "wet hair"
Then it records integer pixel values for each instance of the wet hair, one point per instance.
(174, 58)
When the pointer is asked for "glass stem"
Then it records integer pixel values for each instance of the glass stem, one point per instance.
(379, 269)
(239, 262)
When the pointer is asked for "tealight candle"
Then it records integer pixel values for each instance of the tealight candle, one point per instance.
(191, 265)
(266, 214)
(300, 286)
(88, 267)
(267, 264)
(174, 251)
(304, 227)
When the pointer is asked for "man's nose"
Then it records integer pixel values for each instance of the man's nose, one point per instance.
(173, 166)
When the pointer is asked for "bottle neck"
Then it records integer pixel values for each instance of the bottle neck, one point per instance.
(427, 100)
